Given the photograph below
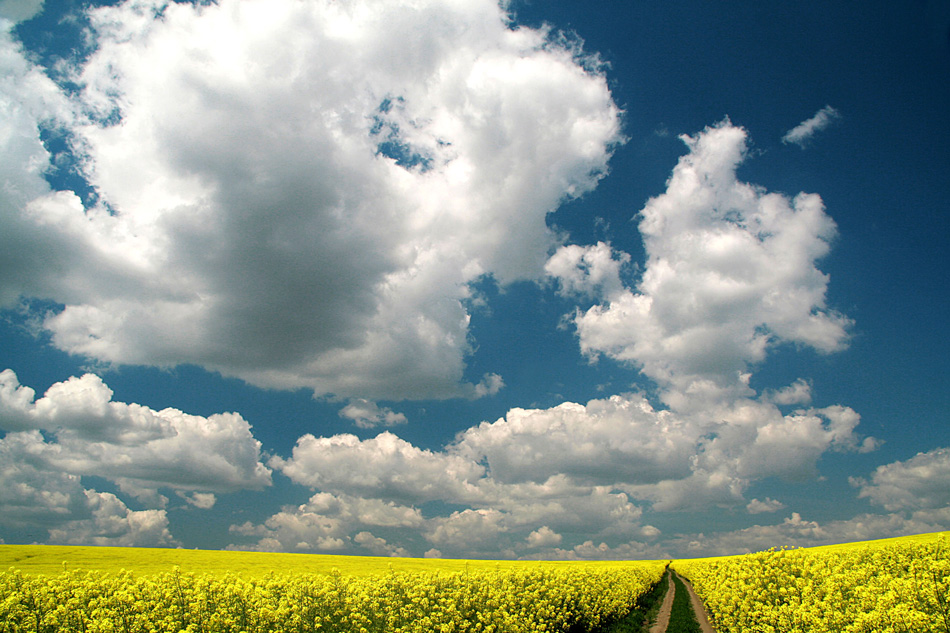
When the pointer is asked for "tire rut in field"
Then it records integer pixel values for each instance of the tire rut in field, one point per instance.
(663, 615)
(701, 622)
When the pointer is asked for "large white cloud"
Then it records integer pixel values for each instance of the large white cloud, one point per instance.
(86, 433)
(619, 439)
(31, 494)
(113, 524)
(585, 472)
(385, 467)
(299, 193)
(730, 271)
(35, 494)
(916, 484)
(330, 522)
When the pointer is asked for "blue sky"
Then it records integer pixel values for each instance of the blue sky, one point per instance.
(456, 279)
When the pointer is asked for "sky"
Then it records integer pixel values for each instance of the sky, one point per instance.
(449, 278)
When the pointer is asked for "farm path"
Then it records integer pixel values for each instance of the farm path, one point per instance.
(663, 615)
(698, 608)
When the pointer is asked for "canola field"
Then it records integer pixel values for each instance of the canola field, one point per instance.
(449, 596)
(898, 585)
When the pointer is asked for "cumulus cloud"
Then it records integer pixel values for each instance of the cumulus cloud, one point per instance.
(573, 469)
(472, 530)
(30, 493)
(202, 500)
(593, 270)
(327, 522)
(378, 546)
(19, 10)
(367, 414)
(916, 484)
(799, 392)
(796, 531)
(33, 495)
(385, 467)
(78, 430)
(730, 272)
(299, 194)
(588, 550)
(113, 524)
(544, 537)
(621, 438)
(802, 133)
(769, 505)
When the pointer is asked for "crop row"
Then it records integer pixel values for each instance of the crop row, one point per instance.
(890, 589)
(552, 598)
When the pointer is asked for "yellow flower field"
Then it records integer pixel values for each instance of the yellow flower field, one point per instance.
(898, 585)
(891, 586)
(509, 598)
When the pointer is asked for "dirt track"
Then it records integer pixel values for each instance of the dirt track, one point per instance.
(663, 617)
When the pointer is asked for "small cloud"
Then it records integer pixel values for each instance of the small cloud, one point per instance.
(543, 537)
(202, 500)
(759, 507)
(489, 386)
(802, 133)
(367, 414)
(433, 553)
(799, 392)
(379, 546)
(649, 531)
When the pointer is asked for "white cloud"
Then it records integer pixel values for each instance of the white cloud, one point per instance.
(799, 392)
(675, 460)
(916, 484)
(574, 469)
(730, 272)
(468, 530)
(327, 523)
(802, 133)
(378, 546)
(19, 10)
(298, 194)
(632, 550)
(593, 270)
(544, 537)
(202, 500)
(621, 438)
(795, 531)
(34, 495)
(30, 493)
(36, 259)
(769, 505)
(113, 524)
(366, 414)
(383, 467)
(87, 433)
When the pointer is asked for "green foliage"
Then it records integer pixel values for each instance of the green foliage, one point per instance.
(646, 611)
(682, 617)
